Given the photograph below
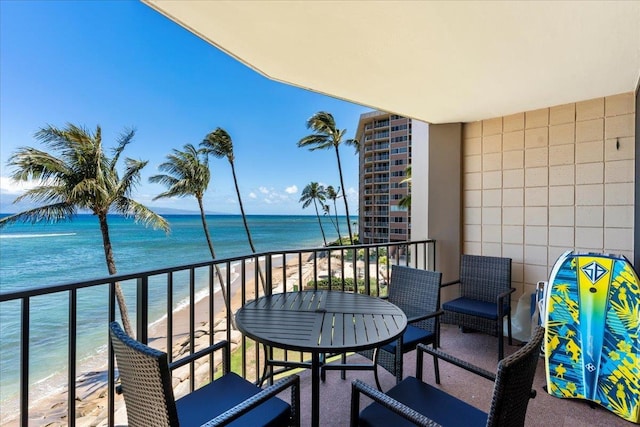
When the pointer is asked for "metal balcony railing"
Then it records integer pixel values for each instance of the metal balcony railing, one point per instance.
(357, 268)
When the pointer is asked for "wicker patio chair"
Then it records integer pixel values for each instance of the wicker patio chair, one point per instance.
(485, 297)
(417, 293)
(145, 377)
(413, 402)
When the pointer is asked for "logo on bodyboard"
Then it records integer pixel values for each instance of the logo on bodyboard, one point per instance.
(594, 271)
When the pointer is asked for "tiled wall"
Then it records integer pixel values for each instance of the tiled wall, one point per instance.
(538, 183)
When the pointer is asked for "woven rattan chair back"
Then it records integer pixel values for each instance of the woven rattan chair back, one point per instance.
(146, 381)
(514, 379)
(483, 278)
(416, 292)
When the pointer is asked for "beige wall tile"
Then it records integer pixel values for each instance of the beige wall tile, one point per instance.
(492, 197)
(472, 233)
(562, 134)
(492, 179)
(492, 144)
(472, 248)
(536, 118)
(536, 196)
(562, 175)
(537, 137)
(619, 171)
(517, 269)
(617, 105)
(618, 239)
(536, 177)
(618, 194)
(617, 216)
(561, 216)
(515, 252)
(624, 150)
(492, 162)
(562, 195)
(590, 152)
(561, 154)
(555, 252)
(562, 114)
(513, 197)
(591, 109)
(513, 178)
(620, 126)
(513, 122)
(472, 130)
(590, 173)
(472, 181)
(589, 216)
(535, 273)
(492, 126)
(589, 195)
(536, 157)
(561, 236)
(492, 249)
(513, 159)
(514, 215)
(590, 238)
(590, 130)
(513, 141)
(471, 146)
(536, 255)
(491, 215)
(535, 235)
(472, 163)
(472, 216)
(491, 233)
(513, 234)
(536, 215)
(472, 198)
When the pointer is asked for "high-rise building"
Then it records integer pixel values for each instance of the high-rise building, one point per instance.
(385, 153)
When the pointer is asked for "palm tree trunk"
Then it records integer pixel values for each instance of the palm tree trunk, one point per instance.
(320, 222)
(344, 196)
(223, 287)
(335, 208)
(246, 227)
(111, 266)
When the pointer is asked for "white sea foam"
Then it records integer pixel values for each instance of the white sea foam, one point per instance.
(31, 236)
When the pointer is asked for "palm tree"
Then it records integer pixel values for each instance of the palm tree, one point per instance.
(405, 202)
(218, 143)
(187, 173)
(79, 176)
(314, 193)
(332, 195)
(326, 136)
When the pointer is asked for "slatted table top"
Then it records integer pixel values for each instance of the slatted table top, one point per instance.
(321, 321)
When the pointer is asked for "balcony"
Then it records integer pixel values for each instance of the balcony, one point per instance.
(87, 390)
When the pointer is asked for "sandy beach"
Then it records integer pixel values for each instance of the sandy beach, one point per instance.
(91, 400)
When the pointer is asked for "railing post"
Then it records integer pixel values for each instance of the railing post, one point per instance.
(268, 262)
(24, 364)
(142, 312)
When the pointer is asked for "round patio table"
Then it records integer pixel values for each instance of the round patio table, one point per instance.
(321, 322)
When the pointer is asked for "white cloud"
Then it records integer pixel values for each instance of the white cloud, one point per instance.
(293, 189)
(263, 190)
(9, 186)
(253, 195)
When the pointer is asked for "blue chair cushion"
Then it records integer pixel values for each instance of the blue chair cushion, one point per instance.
(209, 401)
(488, 310)
(427, 400)
(410, 339)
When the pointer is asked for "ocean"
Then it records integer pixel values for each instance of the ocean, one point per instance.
(35, 255)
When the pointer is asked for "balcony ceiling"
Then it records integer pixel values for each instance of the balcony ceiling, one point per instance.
(434, 61)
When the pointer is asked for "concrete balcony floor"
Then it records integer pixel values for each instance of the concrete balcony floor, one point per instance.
(476, 348)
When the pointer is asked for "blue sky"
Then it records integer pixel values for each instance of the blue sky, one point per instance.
(119, 64)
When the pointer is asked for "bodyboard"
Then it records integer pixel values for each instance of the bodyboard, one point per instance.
(592, 347)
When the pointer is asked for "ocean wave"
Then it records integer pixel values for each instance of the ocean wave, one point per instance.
(31, 236)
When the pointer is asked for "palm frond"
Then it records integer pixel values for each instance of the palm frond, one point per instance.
(219, 144)
(123, 140)
(49, 213)
(142, 214)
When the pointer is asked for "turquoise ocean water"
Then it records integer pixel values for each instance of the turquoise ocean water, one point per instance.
(46, 254)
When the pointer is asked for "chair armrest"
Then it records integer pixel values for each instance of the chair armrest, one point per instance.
(391, 404)
(442, 285)
(426, 316)
(240, 409)
(506, 294)
(204, 352)
(457, 362)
